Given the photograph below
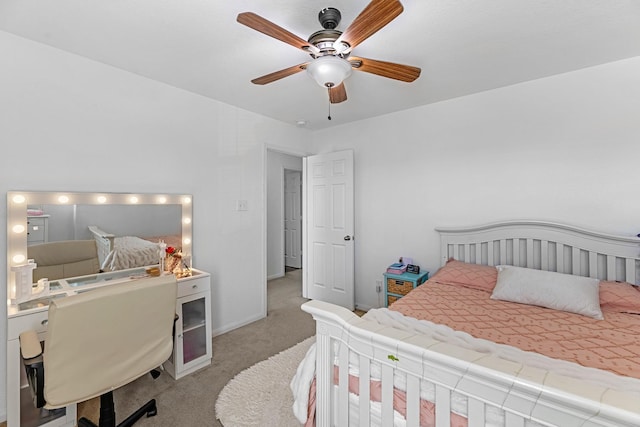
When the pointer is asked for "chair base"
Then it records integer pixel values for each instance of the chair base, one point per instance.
(108, 413)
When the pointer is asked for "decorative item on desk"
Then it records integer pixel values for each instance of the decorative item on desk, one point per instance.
(177, 262)
(173, 258)
(25, 289)
(153, 271)
(163, 255)
(185, 269)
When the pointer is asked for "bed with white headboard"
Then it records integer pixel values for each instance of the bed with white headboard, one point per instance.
(122, 252)
(475, 386)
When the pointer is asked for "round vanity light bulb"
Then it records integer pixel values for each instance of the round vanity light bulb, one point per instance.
(187, 220)
(101, 199)
(186, 200)
(19, 228)
(162, 199)
(18, 258)
(186, 241)
(19, 198)
(133, 199)
(63, 199)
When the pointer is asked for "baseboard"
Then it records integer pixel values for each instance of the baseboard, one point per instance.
(235, 325)
(275, 276)
(363, 307)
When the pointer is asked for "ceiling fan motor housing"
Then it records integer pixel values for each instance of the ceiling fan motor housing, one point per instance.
(329, 18)
(324, 40)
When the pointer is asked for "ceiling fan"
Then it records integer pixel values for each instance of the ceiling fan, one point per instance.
(330, 49)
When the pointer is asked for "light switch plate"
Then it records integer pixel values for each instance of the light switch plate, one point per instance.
(243, 205)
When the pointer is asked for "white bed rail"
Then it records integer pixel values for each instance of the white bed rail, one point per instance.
(518, 392)
(104, 241)
(545, 246)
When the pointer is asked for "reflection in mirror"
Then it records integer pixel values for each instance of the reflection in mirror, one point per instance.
(124, 229)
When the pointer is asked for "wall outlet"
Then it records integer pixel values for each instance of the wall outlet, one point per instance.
(378, 286)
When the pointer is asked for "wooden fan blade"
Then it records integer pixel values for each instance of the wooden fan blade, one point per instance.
(277, 75)
(337, 94)
(375, 16)
(405, 73)
(267, 27)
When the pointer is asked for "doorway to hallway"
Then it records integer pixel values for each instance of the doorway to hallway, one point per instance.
(292, 219)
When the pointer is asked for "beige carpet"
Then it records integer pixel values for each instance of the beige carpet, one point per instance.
(260, 395)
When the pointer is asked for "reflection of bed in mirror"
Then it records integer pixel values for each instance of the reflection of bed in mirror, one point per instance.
(121, 252)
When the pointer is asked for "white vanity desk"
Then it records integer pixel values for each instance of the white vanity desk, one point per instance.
(192, 346)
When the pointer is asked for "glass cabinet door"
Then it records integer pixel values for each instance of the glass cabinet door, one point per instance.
(194, 341)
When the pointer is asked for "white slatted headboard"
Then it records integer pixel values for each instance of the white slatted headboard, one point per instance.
(545, 246)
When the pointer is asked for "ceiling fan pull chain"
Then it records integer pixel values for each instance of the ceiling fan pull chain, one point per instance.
(329, 116)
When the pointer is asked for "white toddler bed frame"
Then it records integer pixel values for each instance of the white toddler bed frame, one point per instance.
(104, 241)
(523, 393)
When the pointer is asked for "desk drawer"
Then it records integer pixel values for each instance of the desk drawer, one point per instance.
(193, 286)
(19, 324)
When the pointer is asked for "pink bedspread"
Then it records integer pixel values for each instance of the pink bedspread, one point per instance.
(611, 344)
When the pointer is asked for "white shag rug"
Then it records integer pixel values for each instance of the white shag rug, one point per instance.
(260, 395)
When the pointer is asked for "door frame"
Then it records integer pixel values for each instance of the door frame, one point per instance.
(292, 152)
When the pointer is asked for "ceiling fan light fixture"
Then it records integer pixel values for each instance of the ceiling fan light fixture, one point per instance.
(329, 71)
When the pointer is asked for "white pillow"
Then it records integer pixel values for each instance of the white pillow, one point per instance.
(565, 292)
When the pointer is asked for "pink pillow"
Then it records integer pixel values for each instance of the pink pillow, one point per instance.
(476, 276)
(621, 297)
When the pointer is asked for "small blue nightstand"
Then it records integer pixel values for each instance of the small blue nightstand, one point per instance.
(398, 285)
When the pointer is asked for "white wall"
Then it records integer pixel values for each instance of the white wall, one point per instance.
(67, 123)
(562, 148)
(276, 164)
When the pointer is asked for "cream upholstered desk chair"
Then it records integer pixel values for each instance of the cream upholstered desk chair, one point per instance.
(100, 340)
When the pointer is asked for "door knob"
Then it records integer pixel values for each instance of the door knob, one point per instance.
(347, 238)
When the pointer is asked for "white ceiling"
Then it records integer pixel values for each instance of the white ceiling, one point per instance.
(462, 46)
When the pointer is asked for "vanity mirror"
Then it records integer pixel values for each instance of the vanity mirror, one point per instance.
(34, 218)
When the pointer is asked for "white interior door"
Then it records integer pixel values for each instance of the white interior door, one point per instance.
(328, 228)
(292, 218)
